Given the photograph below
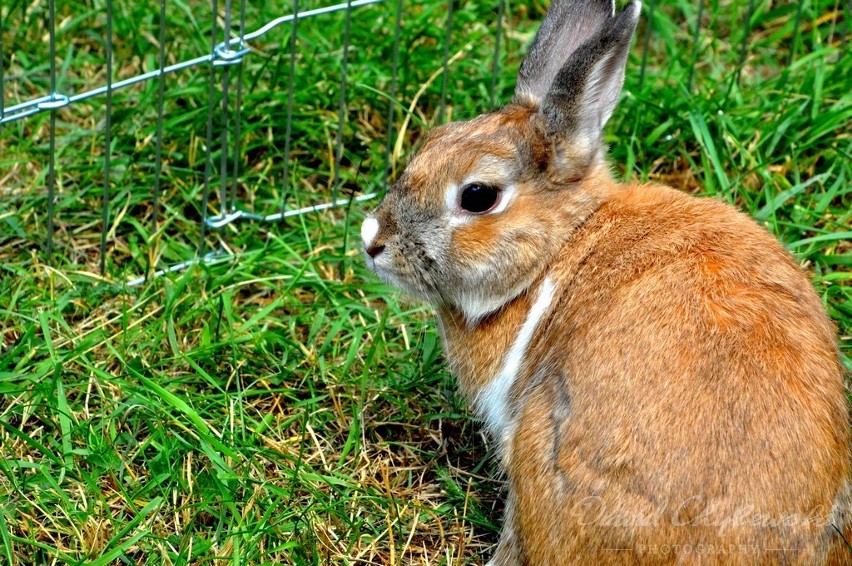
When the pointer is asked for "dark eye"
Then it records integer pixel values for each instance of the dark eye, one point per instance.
(479, 198)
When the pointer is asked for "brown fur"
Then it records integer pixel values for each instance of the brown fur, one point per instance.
(681, 401)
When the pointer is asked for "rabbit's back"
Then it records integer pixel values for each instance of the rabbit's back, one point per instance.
(686, 389)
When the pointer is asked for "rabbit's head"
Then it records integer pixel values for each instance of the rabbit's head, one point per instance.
(480, 211)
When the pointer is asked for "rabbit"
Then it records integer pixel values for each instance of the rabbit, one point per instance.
(656, 371)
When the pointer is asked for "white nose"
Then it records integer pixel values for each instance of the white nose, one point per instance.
(369, 229)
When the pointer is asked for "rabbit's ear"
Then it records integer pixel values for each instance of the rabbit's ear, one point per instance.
(585, 91)
(567, 25)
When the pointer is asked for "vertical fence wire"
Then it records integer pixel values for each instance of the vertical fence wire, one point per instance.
(495, 65)
(695, 40)
(397, 29)
(208, 158)
(107, 139)
(161, 100)
(226, 79)
(238, 111)
(744, 42)
(447, 37)
(795, 39)
(646, 41)
(51, 165)
(342, 108)
(285, 183)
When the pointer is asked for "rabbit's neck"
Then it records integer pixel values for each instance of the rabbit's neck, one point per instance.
(487, 356)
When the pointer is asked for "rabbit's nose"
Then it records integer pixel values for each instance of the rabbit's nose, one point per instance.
(369, 231)
(373, 251)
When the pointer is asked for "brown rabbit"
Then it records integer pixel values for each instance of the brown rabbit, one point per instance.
(657, 371)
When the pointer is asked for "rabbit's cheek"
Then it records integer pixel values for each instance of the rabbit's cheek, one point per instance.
(483, 249)
(392, 268)
(413, 258)
(433, 249)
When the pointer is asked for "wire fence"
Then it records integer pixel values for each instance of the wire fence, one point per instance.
(224, 54)
(231, 43)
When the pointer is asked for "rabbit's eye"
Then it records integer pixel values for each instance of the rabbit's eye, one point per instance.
(479, 198)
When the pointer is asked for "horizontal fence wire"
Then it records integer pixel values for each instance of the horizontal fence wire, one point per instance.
(225, 53)
(215, 257)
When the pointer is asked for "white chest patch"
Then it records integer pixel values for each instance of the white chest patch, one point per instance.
(493, 400)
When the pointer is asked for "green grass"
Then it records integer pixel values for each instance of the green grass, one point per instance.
(284, 406)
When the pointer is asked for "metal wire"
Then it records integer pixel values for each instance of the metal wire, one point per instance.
(447, 37)
(495, 66)
(744, 43)
(223, 156)
(341, 111)
(285, 185)
(795, 39)
(208, 259)
(51, 167)
(220, 222)
(239, 108)
(228, 215)
(392, 94)
(161, 99)
(646, 43)
(695, 39)
(221, 54)
(208, 159)
(107, 139)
